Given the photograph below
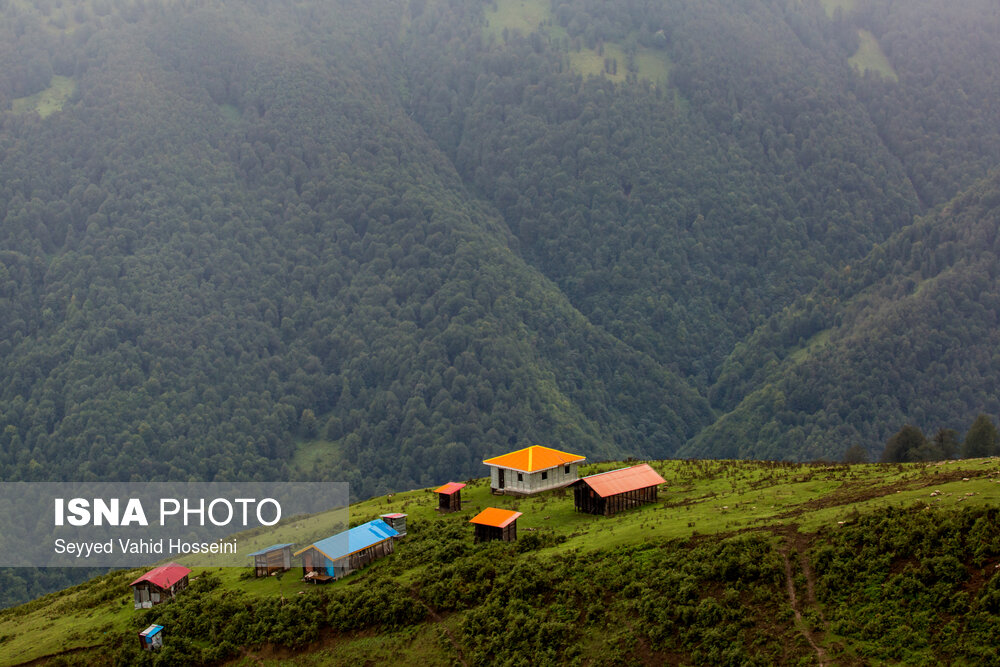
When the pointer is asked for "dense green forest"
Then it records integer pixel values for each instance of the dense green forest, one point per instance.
(913, 326)
(379, 243)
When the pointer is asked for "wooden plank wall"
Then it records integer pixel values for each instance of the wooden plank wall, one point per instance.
(586, 500)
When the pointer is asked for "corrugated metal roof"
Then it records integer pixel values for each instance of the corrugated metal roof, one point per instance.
(450, 488)
(397, 515)
(626, 479)
(496, 517)
(151, 630)
(358, 538)
(273, 547)
(164, 576)
(534, 458)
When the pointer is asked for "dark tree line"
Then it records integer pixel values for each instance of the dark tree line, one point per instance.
(909, 444)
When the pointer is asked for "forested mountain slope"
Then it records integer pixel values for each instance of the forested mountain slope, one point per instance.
(680, 219)
(909, 335)
(378, 243)
(225, 242)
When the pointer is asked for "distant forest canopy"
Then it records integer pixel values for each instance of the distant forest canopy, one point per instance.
(378, 243)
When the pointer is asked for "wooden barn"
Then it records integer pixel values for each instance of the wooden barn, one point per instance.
(616, 490)
(532, 470)
(494, 523)
(151, 638)
(397, 522)
(339, 555)
(159, 585)
(450, 497)
(275, 558)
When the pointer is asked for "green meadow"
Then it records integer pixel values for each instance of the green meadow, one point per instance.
(528, 16)
(870, 58)
(48, 101)
(700, 500)
(831, 6)
(524, 16)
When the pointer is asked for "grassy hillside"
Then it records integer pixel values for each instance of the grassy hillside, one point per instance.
(870, 58)
(738, 562)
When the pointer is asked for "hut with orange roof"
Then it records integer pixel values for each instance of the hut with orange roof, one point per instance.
(532, 470)
(450, 497)
(494, 523)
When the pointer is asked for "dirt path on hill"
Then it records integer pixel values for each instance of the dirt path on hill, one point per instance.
(794, 540)
(447, 631)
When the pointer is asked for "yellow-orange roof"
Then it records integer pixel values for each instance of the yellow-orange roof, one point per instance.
(533, 459)
(496, 517)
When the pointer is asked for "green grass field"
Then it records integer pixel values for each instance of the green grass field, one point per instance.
(589, 62)
(309, 453)
(230, 112)
(527, 16)
(48, 101)
(831, 6)
(652, 64)
(524, 16)
(870, 58)
(700, 498)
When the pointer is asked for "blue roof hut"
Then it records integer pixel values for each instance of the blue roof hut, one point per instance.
(339, 555)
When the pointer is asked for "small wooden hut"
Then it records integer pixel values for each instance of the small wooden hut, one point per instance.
(609, 492)
(532, 470)
(339, 555)
(494, 523)
(151, 638)
(275, 558)
(450, 497)
(397, 522)
(159, 585)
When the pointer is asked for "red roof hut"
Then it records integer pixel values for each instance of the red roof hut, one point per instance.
(609, 492)
(450, 497)
(159, 584)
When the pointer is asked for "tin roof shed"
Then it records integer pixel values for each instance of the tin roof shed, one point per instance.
(273, 547)
(450, 488)
(164, 576)
(358, 538)
(623, 480)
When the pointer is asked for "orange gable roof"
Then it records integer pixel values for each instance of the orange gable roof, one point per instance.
(450, 488)
(496, 517)
(533, 459)
(619, 481)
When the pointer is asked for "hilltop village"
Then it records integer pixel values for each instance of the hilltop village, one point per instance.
(525, 472)
(735, 563)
